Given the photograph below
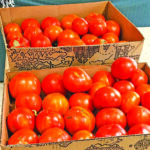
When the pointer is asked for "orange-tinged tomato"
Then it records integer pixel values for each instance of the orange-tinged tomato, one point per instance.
(99, 41)
(89, 39)
(71, 42)
(145, 100)
(110, 37)
(14, 34)
(142, 89)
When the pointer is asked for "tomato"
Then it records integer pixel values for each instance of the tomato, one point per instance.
(56, 102)
(142, 89)
(81, 99)
(103, 76)
(78, 118)
(106, 97)
(19, 42)
(109, 116)
(122, 41)
(40, 41)
(139, 77)
(113, 26)
(110, 37)
(99, 41)
(80, 25)
(138, 115)
(89, 39)
(14, 34)
(129, 100)
(24, 82)
(29, 22)
(139, 129)
(66, 21)
(110, 130)
(76, 79)
(83, 135)
(124, 86)
(29, 100)
(12, 27)
(145, 100)
(68, 34)
(20, 118)
(23, 136)
(123, 67)
(71, 42)
(53, 83)
(54, 135)
(47, 119)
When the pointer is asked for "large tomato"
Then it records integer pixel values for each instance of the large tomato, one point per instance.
(13, 35)
(142, 89)
(78, 118)
(89, 39)
(110, 37)
(99, 41)
(145, 100)
(24, 82)
(71, 42)
(76, 79)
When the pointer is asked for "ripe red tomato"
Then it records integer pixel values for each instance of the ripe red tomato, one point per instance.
(71, 42)
(99, 41)
(78, 118)
(110, 37)
(53, 83)
(49, 21)
(138, 115)
(40, 41)
(20, 118)
(13, 35)
(109, 116)
(129, 100)
(107, 97)
(24, 82)
(110, 130)
(83, 135)
(56, 102)
(23, 136)
(113, 26)
(122, 41)
(29, 22)
(76, 79)
(31, 101)
(139, 77)
(123, 67)
(139, 129)
(142, 89)
(145, 100)
(124, 86)
(81, 99)
(89, 39)
(47, 119)
(54, 135)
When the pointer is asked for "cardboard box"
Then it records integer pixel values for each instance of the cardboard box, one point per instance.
(133, 142)
(42, 58)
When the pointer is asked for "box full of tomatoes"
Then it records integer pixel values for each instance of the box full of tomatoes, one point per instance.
(78, 107)
(40, 37)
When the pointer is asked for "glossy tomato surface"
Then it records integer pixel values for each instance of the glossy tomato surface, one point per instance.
(89, 39)
(13, 35)
(142, 89)
(110, 37)
(71, 42)
(145, 100)
(99, 41)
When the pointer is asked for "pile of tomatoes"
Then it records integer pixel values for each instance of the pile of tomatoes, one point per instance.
(72, 30)
(77, 106)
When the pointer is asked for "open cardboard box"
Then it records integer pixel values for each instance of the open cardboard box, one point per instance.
(132, 142)
(54, 57)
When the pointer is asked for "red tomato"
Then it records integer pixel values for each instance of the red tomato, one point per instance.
(29, 100)
(52, 32)
(113, 26)
(76, 79)
(47, 119)
(23, 136)
(80, 25)
(99, 41)
(122, 41)
(71, 42)
(124, 86)
(123, 67)
(106, 97)
(56, 102)
(83, 135)
(138, 115)
(110, 130)
(53, 83)
(109, 116)
(40, 41)
(89, 39)
(110, 37)
(29, 22)
(142, 89)
(78, 118)
(20, 118)
(54, 135)
(139, 129)
(81, 99)
(103, 76)
(139, 77)
(13, 35)
(129, 100)
(49, 21)
(24, 82)
(145, 100)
